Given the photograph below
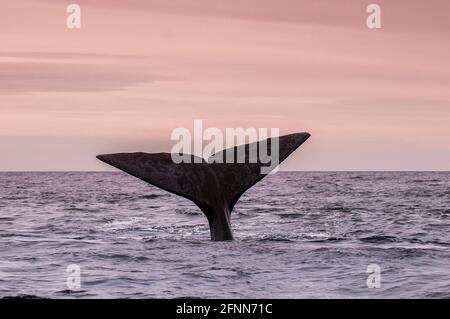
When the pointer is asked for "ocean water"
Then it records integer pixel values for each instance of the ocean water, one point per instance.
(298, 235)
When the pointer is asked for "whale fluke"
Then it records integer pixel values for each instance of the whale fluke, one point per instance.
(215, 187)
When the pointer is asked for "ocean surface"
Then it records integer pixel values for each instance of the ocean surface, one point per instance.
(298, 235)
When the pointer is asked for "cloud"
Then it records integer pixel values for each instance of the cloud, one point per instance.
(58, 72)
(66, 55)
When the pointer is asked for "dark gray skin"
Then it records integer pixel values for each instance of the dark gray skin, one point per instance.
(214, 187)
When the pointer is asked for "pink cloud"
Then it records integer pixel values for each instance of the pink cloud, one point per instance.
(53, 72)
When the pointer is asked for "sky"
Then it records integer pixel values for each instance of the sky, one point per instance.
(373, 99)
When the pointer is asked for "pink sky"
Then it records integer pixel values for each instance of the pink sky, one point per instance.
(137, 69)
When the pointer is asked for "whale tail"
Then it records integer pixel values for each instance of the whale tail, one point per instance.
(215, 185)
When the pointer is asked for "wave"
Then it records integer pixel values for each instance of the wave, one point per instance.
(23, 296)
(71, 292)
(393, 239)
(379, 239)
(152, 196)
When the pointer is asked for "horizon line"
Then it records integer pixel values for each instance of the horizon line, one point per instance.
(284, 171)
